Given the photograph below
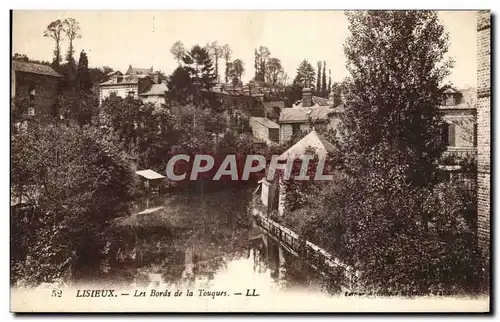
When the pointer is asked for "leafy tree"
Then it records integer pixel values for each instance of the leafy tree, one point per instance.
(262, 56)
(178, 51)
(143, 130)
(239, 68)
(396, 63)
(274, 69)
(73, 182)
(384, 214)
(180, 86)
(215, 51)
(226, 53)
(20, 57)
(72, 30)
(55, 31)
(78, 105)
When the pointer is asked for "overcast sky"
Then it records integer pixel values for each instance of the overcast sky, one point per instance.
(144, 38)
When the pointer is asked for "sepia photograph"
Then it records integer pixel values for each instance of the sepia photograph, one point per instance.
(250, 161)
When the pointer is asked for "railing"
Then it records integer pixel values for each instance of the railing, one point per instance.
(313, 255)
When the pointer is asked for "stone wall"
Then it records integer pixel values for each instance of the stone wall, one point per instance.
(484, 128)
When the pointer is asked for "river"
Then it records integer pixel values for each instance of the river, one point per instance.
(205, 241)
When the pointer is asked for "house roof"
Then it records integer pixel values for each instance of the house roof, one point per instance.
(467, 101)
(316, 100)
(126, 79)
(266, 122)
(149, 174)
(137, 71)
(155, 90)
(311, 140)
(33, 68)
(302, 114)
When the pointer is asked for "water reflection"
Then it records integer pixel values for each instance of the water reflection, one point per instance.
(204, 242)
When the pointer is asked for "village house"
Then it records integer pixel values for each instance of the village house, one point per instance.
(273, 192)
(264, 129)
(39, 84)
(309, 112)
(459, 132)
(138, 83)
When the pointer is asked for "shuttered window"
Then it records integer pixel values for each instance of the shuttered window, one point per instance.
(451, 134)
(475, 135)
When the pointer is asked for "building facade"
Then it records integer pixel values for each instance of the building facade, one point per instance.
(37, 83)
(138, 83)
(484, 128)
(460, 126)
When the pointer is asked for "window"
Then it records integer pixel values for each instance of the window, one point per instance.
(295, 128)
(475, 135)
(448, 134)
(131, 93)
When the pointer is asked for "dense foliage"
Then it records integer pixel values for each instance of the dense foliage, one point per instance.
(69, 183)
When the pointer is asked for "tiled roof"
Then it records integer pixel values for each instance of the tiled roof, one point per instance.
(266, 122)
(316, 100)
(34, 68)
(155, 90)
(126, 79)
(311, 140)
(468, 100)
(302, 114)
(138, 71)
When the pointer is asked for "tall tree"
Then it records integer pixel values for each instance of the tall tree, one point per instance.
(72, 31)
(318, 80)
(329, 81)
(262, 56)
(305, 78)
(274, 69)
(323, 81)
(236, 70)
(226, 53)
(215, 51)
(396, 61)
(180, 87)
(305, 75)
(200, 67)
(178, 51)
(84, 82)
(55, 31)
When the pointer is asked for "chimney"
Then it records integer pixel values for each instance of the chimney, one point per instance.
(306, 97)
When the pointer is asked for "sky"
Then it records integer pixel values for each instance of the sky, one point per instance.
(143, 38)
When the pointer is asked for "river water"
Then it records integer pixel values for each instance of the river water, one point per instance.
(206, 241)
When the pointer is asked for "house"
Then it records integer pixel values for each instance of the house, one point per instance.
(459, 132)
(139, 83)
(265, 130)
(311, 111)
(39, 84)
(273, 193)
(155, 94)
